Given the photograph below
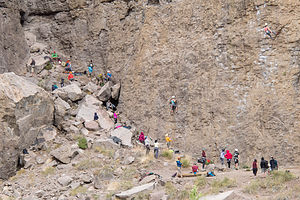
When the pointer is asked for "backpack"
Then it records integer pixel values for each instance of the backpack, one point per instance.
(173, 102)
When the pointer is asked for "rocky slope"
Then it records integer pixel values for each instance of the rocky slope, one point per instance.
(235, 86)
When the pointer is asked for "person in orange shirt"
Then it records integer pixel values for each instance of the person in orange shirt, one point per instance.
(168, 140)
(70, 77)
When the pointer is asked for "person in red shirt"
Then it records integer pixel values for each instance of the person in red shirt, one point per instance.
(203, 158)
(268, 31)
(228, 156)
(254, 167)
(70, 77)
(142, 138)
(195, 168)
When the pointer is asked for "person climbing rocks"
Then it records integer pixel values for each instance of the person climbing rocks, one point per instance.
(54, 56)
(142, 138)
(70, 77)
(173, 103)
(100, 80)
(228, 156)
(263, 165)
(203, 158)
(168, 140)
(236, 158)
(156, 149)
(109, 105)
(147, 145)
(32, 66)
(90, 69)
(108, 76)
(116, 117)
(62, 82)
(96, 117)
(68, 66)
(179, 165)
(195, 168)
(54, 87)
(254, 167)
(222, 156)
(273, 164)
(268, 31)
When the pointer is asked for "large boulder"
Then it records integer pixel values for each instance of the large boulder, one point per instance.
(104, 120)
(72, 92)
(64, 154)
(87, 108)
(136, 190)
(115, 91)
(25, 110)
(91, 87)
(61, 112)
(91, 125)
(105, 93)
(124, 134)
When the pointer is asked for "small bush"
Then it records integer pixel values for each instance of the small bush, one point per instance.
(194, 195)
(167, 154)
(48, 66)
(48, 171)
(78, 190)
(185, 163)
(82, 143)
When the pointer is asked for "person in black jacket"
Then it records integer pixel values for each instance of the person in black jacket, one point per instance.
(273, 164)
(263, 165)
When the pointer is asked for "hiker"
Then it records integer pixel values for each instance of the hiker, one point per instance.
(268, 30)
(96, 117)
(109, 105)
(222, 156)
(195, 168)
(54, 87)
(179, 165)
(116, 117)
(254, 167)
(68, 66)
(71, 77)
(263, 165)
(173, 103)
(62, 83)
(156, 148)
(142, 138)
(54, 55)
(90, 69)
(203, 159)
(228, 156)
(236, 158)
(210, 174)
(32, 66)
(108, 76)
(168, 140)
(100, 79)
(273, 164)
(147, 144)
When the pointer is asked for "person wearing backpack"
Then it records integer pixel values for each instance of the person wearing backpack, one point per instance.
(222, 156)
(228, 156)
(263, 165)
(273, 164)
(173, 103)
(236, 158)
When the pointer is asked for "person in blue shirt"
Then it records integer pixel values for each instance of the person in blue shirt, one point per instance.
(90, 68)
(179, 165)
(108, 76)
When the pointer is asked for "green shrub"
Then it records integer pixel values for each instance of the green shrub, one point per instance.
(167, 154)
(48, 66)
(194, 195)
(185, 163)
(82, 143)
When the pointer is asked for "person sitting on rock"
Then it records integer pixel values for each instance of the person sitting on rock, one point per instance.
(173, 103)
(54, 55)
(100, 80)
(268, 30)
(54, 87)
(68, 66)
(71, 77)
(108, 76)
(195, 168)
(96, 116)
(62, 83)
(142, 138)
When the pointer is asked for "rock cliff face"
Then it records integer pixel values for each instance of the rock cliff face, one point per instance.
(236, 87)
(25, 110)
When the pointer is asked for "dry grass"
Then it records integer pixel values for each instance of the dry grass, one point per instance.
(18, 174)
(217, 185)
(171, 190)
(273, 183)
(48, 171)
(107, 152)
(186, 163)
(88, 164)
(78, 190)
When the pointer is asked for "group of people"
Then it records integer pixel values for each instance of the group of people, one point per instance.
(228, 156)
(265, 166)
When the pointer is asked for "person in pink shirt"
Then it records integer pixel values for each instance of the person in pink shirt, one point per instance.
(116, 117)
(142, 138)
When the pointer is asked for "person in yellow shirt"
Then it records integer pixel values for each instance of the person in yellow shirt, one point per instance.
(168, 140)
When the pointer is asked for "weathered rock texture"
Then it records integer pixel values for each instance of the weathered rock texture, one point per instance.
(25, 109)
(236, 88)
